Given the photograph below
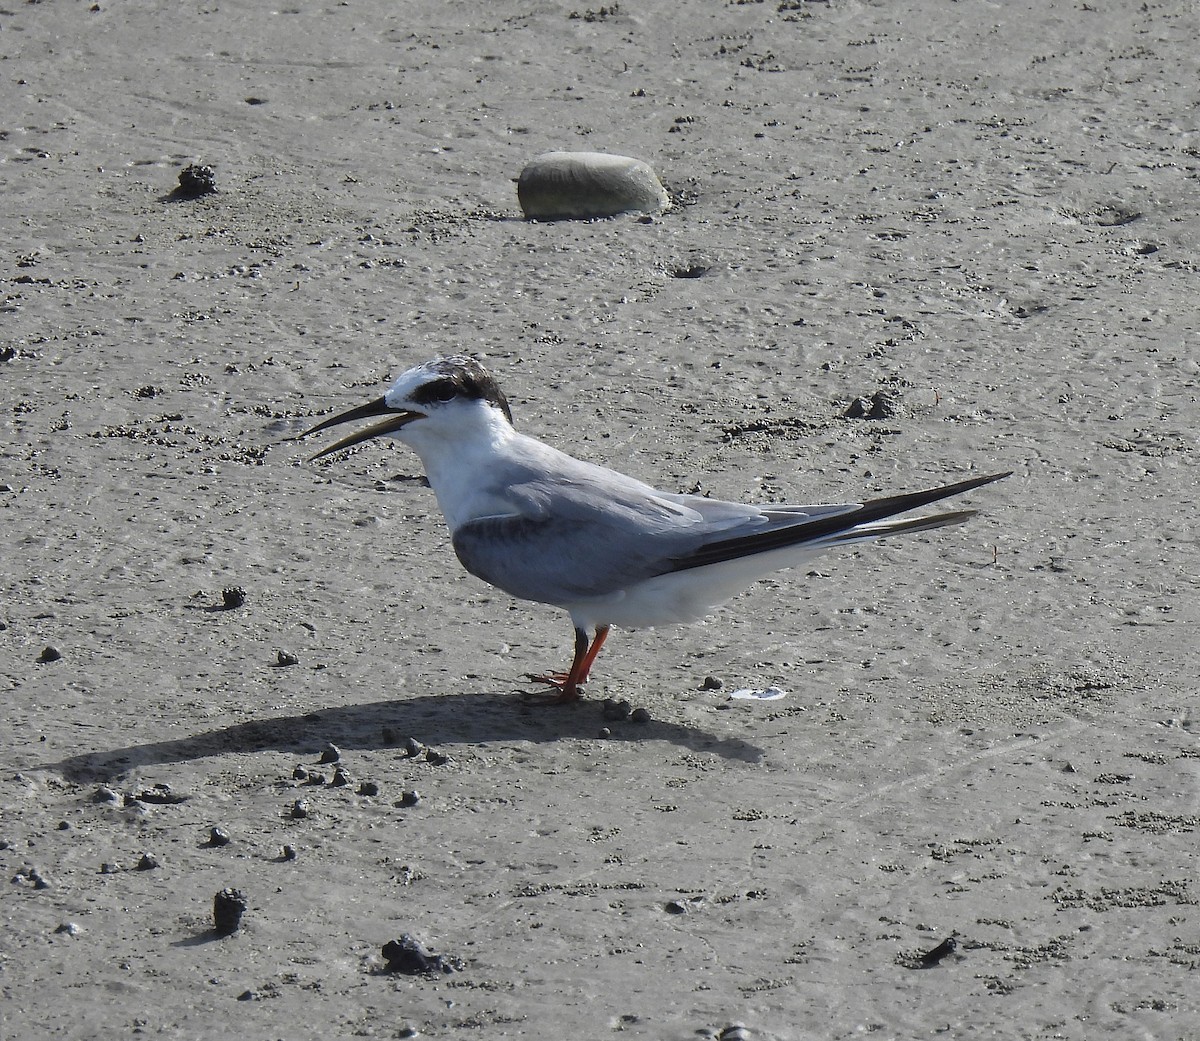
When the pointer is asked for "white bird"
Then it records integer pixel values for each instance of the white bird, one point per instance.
(609, 549)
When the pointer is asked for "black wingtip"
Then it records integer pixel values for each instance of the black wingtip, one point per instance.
(841, 527)
(876, 509)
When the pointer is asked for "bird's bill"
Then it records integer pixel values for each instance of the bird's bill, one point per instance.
(396, 418)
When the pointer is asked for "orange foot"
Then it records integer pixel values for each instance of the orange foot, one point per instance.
(564, 690)
(567, 683)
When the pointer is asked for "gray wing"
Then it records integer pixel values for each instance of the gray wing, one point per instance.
(586, 531)
(572, 541)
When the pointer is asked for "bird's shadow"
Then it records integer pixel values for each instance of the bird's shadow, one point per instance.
(442, 720)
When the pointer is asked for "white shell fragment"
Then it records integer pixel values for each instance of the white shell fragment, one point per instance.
(579, 185)
(758, 694)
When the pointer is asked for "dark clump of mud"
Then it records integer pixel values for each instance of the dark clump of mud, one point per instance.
(196, 181)
(228, 907)
(408, 956)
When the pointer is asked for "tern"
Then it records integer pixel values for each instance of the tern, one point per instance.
(607, 548)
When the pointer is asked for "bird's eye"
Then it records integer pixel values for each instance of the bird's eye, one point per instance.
(444, 390)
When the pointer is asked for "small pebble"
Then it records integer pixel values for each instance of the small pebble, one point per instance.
(640, 715)
(947, 947)
(314, 777)
(285, 658)
(248, 995)
(340, 778)
(675, 907)
(712, 683)
(49, 654)
(105, 794)
(147, 863)
(331, 754)
(436, 758)
(70, 928)
(218, 837)
(228, 907)
(159, 795)
(288, 852)
(413, 747)
(408, 799)
(407, 875)
(605, 733)
(233, 597)
(368, 788)
(109, 868)
(64, 825)
(880, 405)
(617, 711)
(300, 809)
(734, 1032)
(33, 877)
(300, 774)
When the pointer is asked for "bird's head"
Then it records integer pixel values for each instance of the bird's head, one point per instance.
(443, 396)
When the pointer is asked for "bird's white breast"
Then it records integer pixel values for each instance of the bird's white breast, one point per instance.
(470, 466)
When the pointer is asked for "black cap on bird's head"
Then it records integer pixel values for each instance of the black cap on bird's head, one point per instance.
(416, 394)
(444, 379)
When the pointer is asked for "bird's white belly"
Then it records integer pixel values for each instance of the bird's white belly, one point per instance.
(682, 596)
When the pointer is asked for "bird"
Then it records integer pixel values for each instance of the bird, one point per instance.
(607, 548)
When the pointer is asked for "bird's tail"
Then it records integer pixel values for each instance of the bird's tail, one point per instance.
(881, 530)
(857, 522)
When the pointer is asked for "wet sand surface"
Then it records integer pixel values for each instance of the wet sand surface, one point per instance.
(909, 243)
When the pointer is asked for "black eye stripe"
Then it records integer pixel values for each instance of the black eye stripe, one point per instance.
(460, 378)
(438, 390)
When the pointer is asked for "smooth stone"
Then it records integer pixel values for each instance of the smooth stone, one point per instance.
(580, 185)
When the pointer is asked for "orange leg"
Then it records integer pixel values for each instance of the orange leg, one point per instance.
(568, 683)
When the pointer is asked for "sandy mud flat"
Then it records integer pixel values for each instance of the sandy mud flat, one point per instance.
(909, 243)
